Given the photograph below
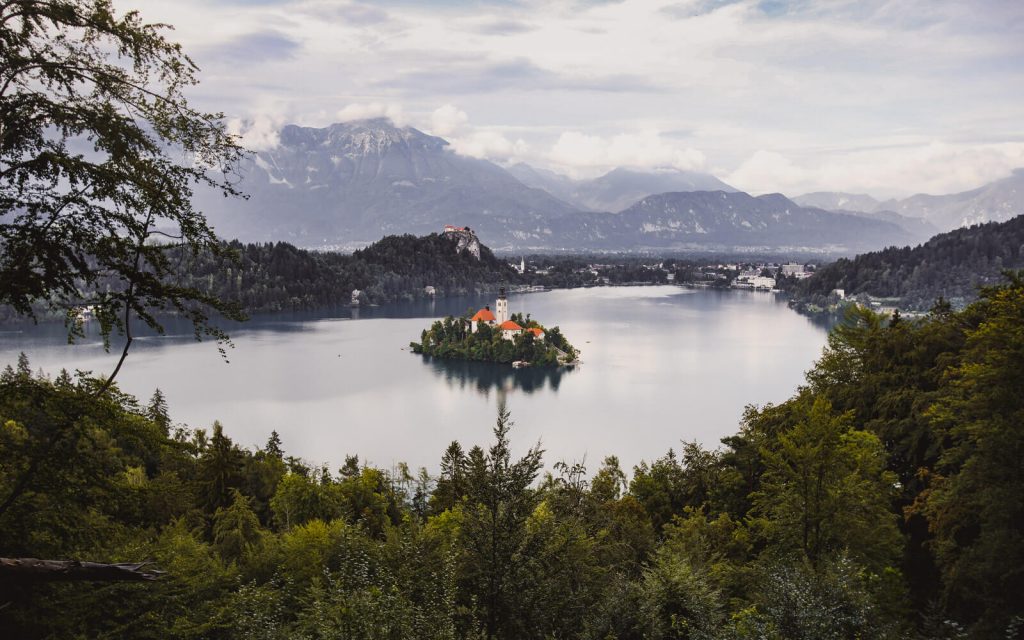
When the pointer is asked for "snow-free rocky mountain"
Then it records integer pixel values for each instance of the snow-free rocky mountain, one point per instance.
(618, 189)
(348, 184)
(994, 202)
(739, 219)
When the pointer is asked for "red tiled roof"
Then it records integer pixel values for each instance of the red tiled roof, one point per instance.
(483, 315)
(536, 332)
(509, 325)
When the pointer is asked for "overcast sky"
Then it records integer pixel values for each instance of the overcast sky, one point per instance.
(884, 97)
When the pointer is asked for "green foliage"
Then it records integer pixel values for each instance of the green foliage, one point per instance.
(493, 532)
(949, 267)
(236, 529)
(798, 602)
(299, 499)
(883, 500)
(278, 276)
(824, 490)
(975, 505)
(678, 600)
(95, 125)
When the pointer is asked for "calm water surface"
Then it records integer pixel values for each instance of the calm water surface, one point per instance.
(659, 365)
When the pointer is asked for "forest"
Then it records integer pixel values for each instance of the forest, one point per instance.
(883, 500)
(277, 276)
(950, 266)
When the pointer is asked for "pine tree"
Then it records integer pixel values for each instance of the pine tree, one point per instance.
(219, 470)
(157, 410)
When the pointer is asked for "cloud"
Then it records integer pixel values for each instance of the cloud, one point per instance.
(766, 171)
(490, 145)
(934, 167)
(818, 83)
(502, 27)
(519, 74)
(447, 120)
(364, 111)
(258, 133)
(643, 150)
(452, 123)
(353, 13)
(257, 47)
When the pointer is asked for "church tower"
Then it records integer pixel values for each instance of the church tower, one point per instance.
(501, 308)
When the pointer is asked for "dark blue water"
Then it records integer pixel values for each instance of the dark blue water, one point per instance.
(659, 365)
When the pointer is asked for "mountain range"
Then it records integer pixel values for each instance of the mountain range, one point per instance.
(347, 185)
(617, 189)
(994, 202)
(352, 183)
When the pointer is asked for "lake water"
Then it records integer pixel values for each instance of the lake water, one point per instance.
(659, 365)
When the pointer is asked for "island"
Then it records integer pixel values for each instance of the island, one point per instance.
(496, 336)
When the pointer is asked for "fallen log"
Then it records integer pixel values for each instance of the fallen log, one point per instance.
(36, 570)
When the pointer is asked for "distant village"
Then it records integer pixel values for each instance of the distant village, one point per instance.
(758, 276)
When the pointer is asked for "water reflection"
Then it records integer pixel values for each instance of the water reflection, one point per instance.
(485, 377)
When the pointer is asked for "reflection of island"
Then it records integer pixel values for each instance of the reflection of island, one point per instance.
(486, 376)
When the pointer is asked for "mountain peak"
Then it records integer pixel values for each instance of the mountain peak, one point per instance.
(776, 200)
(361, 137)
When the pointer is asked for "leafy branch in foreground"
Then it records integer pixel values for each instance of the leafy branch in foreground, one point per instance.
(99, 156)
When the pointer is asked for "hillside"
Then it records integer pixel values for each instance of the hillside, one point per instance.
(951, 265)
(279, 276)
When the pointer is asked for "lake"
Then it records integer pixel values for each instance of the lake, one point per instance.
(659, 365)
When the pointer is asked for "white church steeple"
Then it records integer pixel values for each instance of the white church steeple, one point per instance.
(501, 308)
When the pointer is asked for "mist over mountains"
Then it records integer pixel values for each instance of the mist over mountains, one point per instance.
(347, 185)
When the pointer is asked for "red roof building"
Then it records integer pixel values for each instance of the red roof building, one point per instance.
(509, 325)
(483, 315)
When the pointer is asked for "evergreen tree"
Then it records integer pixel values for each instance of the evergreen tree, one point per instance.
(235, 528)
(499, 502)
(824, 490)
(157, 410)
(273, 447)
(220, 470)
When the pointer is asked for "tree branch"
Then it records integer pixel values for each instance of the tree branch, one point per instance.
(21, 570)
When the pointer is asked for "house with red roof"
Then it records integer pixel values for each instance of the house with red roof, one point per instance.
(510, 329)
(484, 315)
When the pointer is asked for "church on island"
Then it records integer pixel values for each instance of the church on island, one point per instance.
(495, 335)
(500, 319)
